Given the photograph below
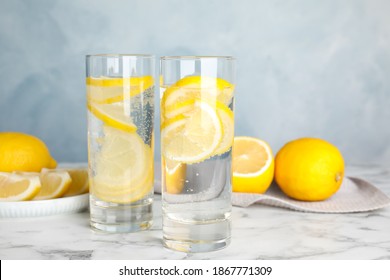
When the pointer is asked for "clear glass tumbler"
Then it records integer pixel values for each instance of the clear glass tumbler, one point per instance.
(197, 131)
(120, 102)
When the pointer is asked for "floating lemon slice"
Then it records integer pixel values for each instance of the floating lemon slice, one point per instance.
(252, 164)
(17, 187)
(203, 87)
(126, 193)
(174, 176)
(123, 167)
(224, 113)
(110, 90)
(179, 108)
(227, 119)
(113, 115)
(55, 183)
(193, 138)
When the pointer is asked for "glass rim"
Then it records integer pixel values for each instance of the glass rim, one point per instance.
(119, 55)
(195, 57)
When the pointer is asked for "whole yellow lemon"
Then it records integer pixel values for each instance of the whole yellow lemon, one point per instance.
(309, 169)
(23, 152)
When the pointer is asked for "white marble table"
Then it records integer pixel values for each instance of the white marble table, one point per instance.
(259, 232)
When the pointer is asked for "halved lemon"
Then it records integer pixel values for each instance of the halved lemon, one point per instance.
(17, 187)
(113, 115)
(123, 167)
(55, 183)
(203, 87)
(252, 164)
(110, 90)
(174, 176)
(79, 183)
(193, 138)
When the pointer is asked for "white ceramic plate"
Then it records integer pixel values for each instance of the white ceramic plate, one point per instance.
(37, 208)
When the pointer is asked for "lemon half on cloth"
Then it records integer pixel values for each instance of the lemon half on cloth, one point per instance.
(252, 164)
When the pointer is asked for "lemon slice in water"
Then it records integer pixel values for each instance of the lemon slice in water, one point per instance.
(193, 138)
(110, 90)
(113, 115)
(224, 113)
(227, 119)
(124, 167)
(203, 87)
(174, 176)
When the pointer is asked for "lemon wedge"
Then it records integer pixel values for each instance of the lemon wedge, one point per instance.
(110, 90)
(113, 115)
(55, 183)
(252, 164)
(194, 137)
(124, 167)
(17, 187)
(79, 183)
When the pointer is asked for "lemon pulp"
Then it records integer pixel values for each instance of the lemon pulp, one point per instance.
(253, 165)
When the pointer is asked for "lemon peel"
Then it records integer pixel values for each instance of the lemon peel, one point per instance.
(252, 164)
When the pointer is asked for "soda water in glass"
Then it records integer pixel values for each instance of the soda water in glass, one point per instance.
(197, 131)
(120, 92)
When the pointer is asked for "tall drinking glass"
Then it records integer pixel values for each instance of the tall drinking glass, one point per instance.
(120, 92)
(197, 130)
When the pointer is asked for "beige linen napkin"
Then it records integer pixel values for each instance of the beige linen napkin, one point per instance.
(354, 195)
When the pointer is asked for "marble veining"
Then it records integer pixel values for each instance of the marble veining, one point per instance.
(258, 232)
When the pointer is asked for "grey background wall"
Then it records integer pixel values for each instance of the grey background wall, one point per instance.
(304, 68)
